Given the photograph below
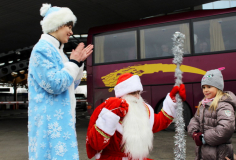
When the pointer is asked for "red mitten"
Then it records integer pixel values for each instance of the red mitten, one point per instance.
(173, 92)
(197, 138)
(182, 92)
(117, 106)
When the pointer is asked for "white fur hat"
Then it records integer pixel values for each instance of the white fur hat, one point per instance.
(127, 83)
(55, 17)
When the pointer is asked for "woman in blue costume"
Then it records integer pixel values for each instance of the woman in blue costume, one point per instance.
(52, 79)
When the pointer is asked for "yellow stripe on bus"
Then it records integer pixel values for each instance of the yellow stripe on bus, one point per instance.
(110, 79)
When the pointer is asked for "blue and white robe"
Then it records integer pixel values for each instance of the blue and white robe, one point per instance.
(51, 113)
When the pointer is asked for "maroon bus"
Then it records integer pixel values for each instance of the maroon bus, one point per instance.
(143, 47)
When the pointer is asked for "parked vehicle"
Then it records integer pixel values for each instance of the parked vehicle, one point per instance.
(81, 101)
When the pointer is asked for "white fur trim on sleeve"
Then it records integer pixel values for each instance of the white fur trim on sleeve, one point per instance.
(72, 69)
(81, 73)
(128, 86)
(169, 106)
(107, 121)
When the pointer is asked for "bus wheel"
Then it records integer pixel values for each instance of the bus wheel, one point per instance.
(187, 116)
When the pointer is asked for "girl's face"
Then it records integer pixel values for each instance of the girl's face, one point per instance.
(209, 91)
(63, 34)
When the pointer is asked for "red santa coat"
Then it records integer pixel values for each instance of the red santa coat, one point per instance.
(104, 140)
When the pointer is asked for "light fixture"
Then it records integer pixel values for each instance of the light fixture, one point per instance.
(18, 52)
(75, 35)
(14, 74)
(1, 64)
(68, 52)
(22, 71)
(18, 59)
(84, 35)
(10, 61)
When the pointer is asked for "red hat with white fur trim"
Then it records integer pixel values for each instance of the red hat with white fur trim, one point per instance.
(127, 83)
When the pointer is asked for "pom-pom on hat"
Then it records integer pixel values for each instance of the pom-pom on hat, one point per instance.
(214, 78)
(55, 17)
(127, 83)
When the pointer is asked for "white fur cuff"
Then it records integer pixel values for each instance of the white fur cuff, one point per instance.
(81, 73)
(169, 106)
(72, 68)
(107, 121)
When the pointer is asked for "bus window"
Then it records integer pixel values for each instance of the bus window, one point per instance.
(215, 34)
(115, 47)
(157, 42)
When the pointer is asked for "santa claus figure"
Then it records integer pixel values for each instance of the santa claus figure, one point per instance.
(122, 127)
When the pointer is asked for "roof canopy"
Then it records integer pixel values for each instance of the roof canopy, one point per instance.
(20, 25)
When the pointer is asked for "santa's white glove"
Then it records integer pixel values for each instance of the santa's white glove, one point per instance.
(169, 106)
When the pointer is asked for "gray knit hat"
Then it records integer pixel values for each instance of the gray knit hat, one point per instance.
(214, 78)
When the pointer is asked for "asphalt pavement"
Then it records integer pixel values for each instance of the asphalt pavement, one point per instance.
(14, 140)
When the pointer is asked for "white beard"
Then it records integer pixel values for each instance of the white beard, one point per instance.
(137, 130)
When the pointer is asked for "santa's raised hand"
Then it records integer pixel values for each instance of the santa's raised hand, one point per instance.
(117, 105)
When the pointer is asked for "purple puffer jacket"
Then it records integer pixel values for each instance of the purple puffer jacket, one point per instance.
(218, 127)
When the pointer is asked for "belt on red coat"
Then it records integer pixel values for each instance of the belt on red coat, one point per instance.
(113, 153)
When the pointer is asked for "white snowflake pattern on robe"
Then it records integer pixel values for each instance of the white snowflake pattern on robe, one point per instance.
(29, 111)
(66, 135)
(48, 155)
(51, 75)
(75, 156)
(38, 98)
(35, 109)
(43, 145)
(35, 60)
(59, 114)
(44, 109)
(48, 117)
(65, 102)
(72, 123)
(38, 120)
(50, 99)
(32, 144)
(29, 126)
(73, 144)
(46, 86)
(54, 130)
(46, 134)
(60, 148)
(47, 64)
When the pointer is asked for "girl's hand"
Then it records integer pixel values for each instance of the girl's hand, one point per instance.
(197, 137)
(229, 159)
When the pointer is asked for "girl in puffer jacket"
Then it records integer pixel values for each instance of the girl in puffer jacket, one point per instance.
(214, 122)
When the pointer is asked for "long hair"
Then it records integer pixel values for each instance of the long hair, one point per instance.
(216, 100)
